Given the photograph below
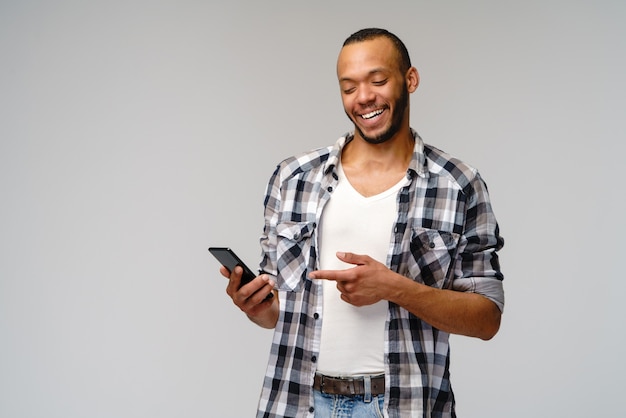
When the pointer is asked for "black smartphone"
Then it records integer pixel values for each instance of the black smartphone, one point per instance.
(230, 260)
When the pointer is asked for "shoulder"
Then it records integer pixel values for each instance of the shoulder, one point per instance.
(314, 161)
(307, 166)
(441, 163)
(304, 162)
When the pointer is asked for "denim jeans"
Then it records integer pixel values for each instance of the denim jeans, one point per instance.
(340, 406)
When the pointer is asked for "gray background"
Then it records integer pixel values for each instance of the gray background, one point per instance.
(134, 134)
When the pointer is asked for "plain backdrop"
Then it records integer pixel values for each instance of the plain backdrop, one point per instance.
(135, 134)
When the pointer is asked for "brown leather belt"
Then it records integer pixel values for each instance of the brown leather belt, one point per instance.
(347, 385)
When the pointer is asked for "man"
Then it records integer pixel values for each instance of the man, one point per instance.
(376, 249)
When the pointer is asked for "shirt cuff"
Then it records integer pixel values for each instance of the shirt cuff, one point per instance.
(488, 287)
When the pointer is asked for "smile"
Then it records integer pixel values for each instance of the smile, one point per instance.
(372, 114)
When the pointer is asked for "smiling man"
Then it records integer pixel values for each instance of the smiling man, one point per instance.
(377, 248)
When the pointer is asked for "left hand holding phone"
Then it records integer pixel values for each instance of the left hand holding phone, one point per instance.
(253, 295)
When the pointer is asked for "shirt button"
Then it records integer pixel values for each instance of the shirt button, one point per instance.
(311, 409)
(316, 315)
(314, 359)
(330, 189)
(431, 245)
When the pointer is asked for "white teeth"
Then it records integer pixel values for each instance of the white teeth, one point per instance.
(372, 114)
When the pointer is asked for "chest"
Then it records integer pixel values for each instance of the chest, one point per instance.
(369, 184)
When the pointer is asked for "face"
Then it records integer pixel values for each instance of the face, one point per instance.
(374, 91)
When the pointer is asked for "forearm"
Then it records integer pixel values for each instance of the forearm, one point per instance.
(454, 312)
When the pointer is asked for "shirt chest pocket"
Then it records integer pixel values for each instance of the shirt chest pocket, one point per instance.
(432, 253)
(293, 252)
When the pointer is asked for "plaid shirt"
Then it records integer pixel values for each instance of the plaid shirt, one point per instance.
(445, 236)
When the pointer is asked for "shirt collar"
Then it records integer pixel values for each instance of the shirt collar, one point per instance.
(416, 166)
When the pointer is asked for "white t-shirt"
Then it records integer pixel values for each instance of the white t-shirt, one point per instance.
(352, 341)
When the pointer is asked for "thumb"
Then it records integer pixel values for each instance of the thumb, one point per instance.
(351, 258)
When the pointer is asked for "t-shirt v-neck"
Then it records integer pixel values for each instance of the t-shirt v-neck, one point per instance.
(343, 179)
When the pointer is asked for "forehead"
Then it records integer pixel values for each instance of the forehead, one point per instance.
(360, 58)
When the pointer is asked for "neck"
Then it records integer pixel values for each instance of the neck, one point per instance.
(394, 153)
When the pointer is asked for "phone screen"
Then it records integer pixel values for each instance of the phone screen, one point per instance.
(230, 260)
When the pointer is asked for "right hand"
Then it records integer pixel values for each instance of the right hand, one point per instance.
(251, 298)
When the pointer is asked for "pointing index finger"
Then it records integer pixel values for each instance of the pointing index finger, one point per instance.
(324, 274)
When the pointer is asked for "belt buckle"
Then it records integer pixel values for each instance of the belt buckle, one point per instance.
(321, 383)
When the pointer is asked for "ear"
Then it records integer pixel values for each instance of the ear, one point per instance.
(412, 79)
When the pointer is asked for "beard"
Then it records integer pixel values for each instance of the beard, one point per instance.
(400, 107)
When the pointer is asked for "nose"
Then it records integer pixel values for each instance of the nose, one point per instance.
(365, 94)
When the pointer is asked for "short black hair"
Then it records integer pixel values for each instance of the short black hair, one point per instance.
(368, 34)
